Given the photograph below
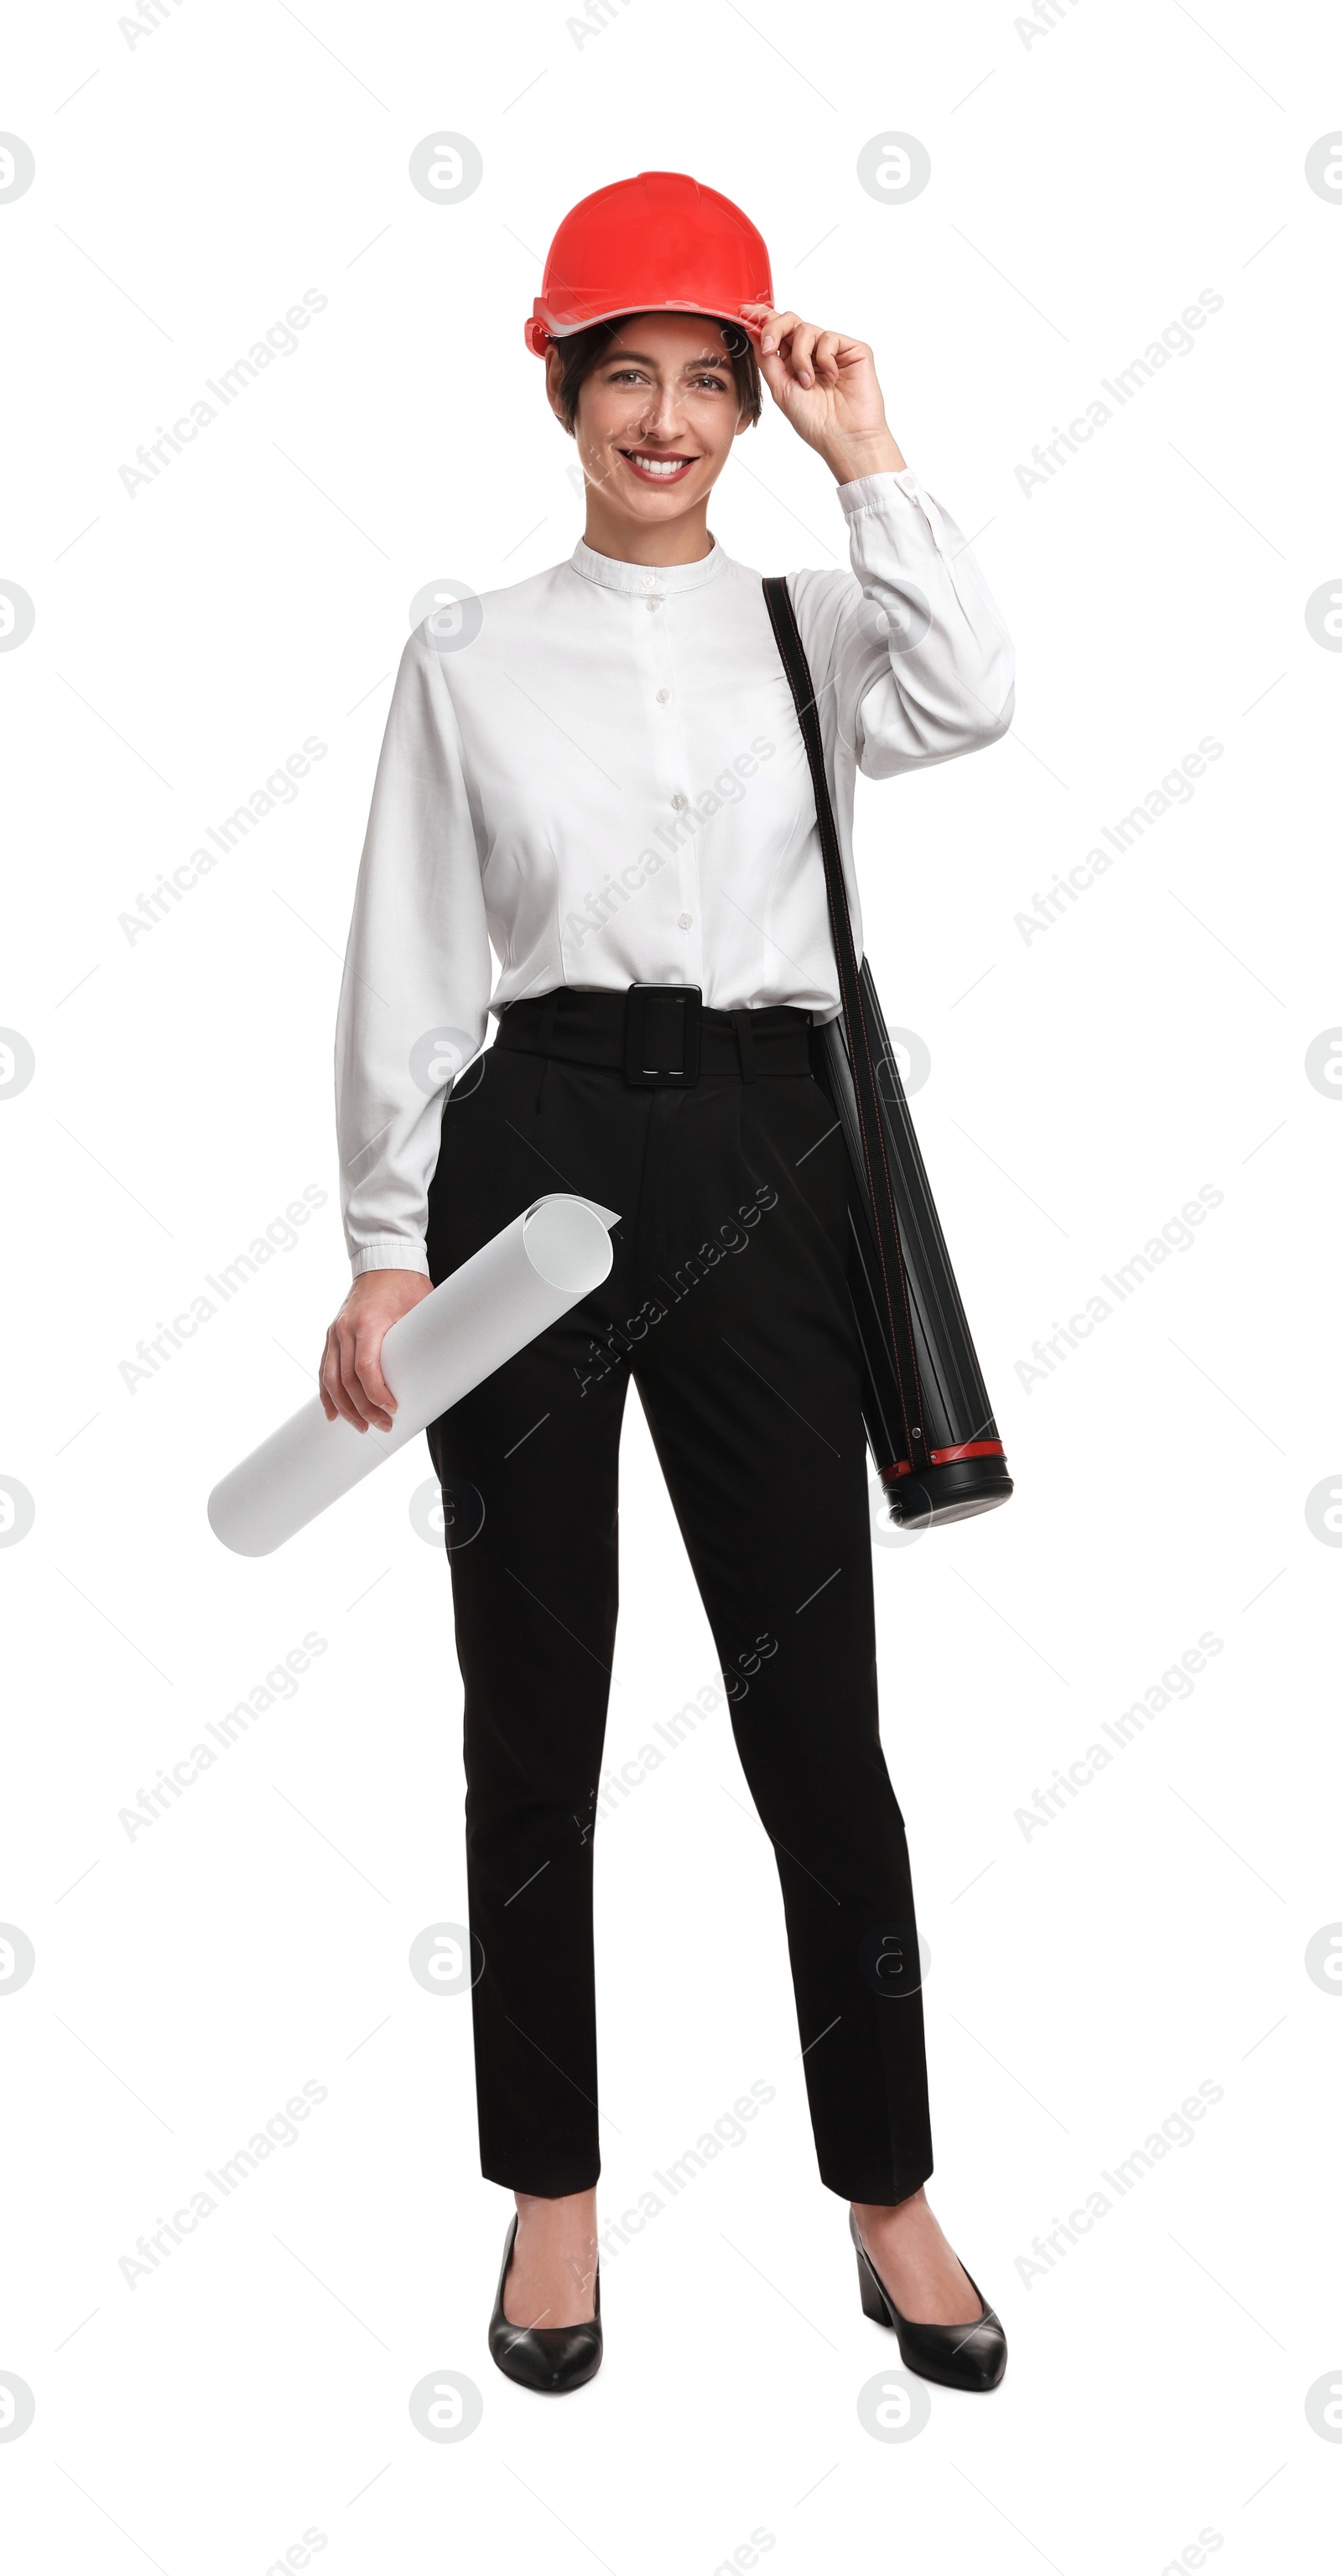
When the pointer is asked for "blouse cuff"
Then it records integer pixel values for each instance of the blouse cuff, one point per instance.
(877, 491)
(889, 498)
(390, 1252)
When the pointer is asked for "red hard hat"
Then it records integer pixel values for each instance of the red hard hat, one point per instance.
(659, 243)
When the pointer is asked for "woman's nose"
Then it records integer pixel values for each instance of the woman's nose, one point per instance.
(661, 416)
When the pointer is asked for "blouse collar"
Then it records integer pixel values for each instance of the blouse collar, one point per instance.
(640, 581)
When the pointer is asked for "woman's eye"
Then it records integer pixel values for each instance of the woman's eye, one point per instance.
(636, 375)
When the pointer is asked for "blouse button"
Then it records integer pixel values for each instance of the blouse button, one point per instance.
(686, 921)
(680, 802)
(662, 696)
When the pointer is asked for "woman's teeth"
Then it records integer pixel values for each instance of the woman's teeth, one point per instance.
(658, 467)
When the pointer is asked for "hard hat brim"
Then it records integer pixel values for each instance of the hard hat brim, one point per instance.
(541, 330)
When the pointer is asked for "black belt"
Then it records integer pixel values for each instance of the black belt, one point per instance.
(658, 1035)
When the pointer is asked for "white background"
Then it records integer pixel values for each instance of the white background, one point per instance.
(1086, 186)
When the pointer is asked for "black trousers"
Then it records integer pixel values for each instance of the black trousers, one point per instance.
(727, 1305)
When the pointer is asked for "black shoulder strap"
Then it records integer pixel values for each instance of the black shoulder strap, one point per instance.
(879, 1193)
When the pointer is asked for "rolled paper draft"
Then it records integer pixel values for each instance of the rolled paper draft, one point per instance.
(552, 1255)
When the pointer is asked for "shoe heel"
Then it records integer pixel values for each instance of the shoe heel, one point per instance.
(873, 2302)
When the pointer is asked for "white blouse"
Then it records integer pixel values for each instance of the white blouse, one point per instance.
(600, 773)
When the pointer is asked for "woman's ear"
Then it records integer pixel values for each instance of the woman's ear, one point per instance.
(553, 376)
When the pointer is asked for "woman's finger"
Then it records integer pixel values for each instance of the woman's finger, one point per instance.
(337, 1403)
(799, 353)
(329, 1408)
(803, 346)
(373, 1387)
(759, 317)
(334, 1399)
(347, 1391)
(774, 329)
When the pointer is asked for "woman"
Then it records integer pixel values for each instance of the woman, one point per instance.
(602, 774)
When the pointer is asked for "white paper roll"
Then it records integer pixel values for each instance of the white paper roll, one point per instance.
(557, 1251)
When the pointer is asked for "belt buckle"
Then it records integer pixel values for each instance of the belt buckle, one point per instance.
(661, 1034)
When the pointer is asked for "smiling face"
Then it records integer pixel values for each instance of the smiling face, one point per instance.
(655, 421)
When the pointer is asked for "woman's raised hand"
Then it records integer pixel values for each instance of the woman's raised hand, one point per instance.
(825, 385)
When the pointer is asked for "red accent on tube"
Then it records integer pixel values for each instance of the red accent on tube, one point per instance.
(944, 1457)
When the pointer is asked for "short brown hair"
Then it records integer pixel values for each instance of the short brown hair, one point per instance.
(581, 351)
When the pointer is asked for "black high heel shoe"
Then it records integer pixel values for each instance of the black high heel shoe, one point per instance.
(970, 2356)
(551, 2358)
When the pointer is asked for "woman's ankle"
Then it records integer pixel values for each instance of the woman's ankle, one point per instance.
(880, 2213)
(557, 2209)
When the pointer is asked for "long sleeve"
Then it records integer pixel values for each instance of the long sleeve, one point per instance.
(911, 660)
(415, 995)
